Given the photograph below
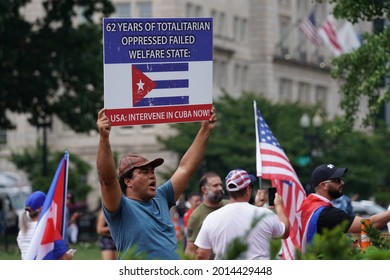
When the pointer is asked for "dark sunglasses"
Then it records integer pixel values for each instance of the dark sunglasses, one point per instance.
(337, 181)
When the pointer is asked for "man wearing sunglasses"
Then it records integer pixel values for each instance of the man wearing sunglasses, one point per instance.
(317, 211)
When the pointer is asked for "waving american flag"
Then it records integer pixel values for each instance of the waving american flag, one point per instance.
(308, 26)
(47, 242)
(273, 164)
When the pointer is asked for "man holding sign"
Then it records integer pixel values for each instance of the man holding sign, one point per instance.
(136, 210)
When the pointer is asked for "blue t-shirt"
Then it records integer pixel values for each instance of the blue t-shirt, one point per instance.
(146, 225)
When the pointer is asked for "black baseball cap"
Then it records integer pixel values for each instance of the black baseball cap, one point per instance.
(325, 172)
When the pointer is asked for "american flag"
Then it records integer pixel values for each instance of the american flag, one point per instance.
(308, 26)
(47, 242)
(328, 34)
(273, 164)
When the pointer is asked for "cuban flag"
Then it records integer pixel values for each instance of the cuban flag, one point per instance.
(161, 78)
(47, 242)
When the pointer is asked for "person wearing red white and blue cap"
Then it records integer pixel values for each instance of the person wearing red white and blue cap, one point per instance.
(28, 221)
(235, 220)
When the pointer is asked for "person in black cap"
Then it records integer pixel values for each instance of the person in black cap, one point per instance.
(317, 211)
(135, 207)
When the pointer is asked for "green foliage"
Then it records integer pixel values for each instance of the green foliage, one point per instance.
(364, 155)
(52, 66)
(335, 245)
(353, 10)
(132, 254)
(331, 245)
(31, 162)
(232, 145)
(363, 72)
(375, 236)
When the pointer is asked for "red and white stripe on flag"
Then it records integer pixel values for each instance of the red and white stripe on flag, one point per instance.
(328, 34)
(275, 166)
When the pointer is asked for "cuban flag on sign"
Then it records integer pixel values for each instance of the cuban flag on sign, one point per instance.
(159, 77)
(47, 242)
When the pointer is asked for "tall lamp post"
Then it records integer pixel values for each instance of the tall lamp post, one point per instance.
(44, 122)
(311, 131)
(312, 135)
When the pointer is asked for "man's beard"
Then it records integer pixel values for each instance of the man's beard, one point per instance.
(215, 196)
(335, 193)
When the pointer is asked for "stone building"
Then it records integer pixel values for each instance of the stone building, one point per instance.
(258, 47)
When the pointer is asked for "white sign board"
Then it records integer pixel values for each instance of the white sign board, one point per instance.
(157, 70)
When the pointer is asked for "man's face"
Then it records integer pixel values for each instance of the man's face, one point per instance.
(195, 201)
(143, 184)
(335, 188)
(214, 189)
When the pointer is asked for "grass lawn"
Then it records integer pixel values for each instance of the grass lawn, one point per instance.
(85, 250)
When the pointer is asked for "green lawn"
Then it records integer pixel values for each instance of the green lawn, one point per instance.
(85, 250)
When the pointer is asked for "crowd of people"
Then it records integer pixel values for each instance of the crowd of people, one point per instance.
(135, 215)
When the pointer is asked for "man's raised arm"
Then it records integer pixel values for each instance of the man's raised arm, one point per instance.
(192, 158)
(111, 191)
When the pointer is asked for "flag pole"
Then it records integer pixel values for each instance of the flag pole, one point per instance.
(258, 159)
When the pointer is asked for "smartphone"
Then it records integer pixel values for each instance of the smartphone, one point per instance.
(271, 196)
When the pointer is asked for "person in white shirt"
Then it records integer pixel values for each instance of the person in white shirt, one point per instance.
(235, 219)
(28, 221)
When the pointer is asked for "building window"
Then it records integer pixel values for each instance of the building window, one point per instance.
(302, 8)
(214, 15)
(198, 11)
(220, 72)
(286, 3)
(240, 76)
(237, 75)
(244, 78)
(320, 97)
(244, 28)
(304, 93)
(284, 41)
(221, 23)
(193, 11)
(215, 69)
(3, 137)
(122, 9)
(236, 27)
(190, 10)
(240, 28)
(285, 89)
(144, 9)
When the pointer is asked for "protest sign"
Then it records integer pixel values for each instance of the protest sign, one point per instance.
(157, 70)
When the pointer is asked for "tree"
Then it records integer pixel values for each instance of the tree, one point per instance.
(232, 145)
(29, 161)
(52, 66)
(363, 72)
